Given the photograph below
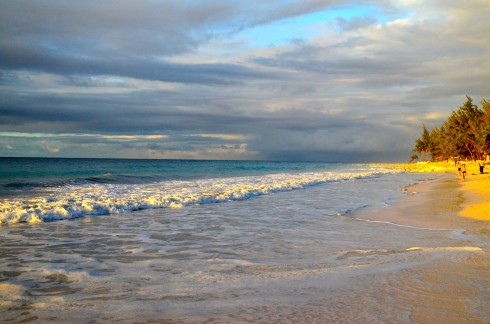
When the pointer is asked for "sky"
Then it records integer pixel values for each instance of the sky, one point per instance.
(296, 80)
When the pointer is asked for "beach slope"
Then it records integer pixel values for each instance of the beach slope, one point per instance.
(452, 289)
(441, 203)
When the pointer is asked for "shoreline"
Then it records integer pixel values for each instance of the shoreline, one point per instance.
(442, 203)
(449, 289)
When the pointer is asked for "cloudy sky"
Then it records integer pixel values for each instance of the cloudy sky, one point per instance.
(330, 80)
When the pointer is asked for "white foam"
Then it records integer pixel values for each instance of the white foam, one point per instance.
(99, 199)
(446, 248)
(408, 226)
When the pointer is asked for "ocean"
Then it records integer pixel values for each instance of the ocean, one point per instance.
(37, 190)
(178, 241)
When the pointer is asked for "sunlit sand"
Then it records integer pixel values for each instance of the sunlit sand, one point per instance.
(475, 187)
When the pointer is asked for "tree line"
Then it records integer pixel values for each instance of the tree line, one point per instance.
(465, 135)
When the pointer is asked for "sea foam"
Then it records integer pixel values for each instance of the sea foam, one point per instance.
(72, 201)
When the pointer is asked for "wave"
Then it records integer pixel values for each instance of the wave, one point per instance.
(382, 252)
(101, 197)
(100, 179)
(445, 248)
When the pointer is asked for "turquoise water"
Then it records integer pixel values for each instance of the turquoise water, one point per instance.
(38, 172)
(41, 190)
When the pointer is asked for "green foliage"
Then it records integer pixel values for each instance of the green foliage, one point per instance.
(464, 135)
(422, 144)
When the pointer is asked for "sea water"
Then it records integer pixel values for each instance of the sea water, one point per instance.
(192, 241)
(43, 190)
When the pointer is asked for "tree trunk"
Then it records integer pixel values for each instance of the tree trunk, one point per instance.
(470, 151)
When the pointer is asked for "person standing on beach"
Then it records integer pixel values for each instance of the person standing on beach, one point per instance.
(463, 172)
(481, 167)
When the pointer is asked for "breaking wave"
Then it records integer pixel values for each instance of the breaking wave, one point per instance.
(102, 197)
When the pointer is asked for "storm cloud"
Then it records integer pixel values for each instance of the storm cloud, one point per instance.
(278, 80)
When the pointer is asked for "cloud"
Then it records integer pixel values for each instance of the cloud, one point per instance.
(38, 59)
(227, 137)
(50, 147)
(234, 79)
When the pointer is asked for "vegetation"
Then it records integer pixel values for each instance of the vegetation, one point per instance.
(465, 135)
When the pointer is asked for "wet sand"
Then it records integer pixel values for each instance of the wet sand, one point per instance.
(451, 290)
(475, 196)
(432, 204)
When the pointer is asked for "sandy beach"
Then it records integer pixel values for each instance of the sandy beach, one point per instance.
(458, 286)
(477, 193)
(445, 203)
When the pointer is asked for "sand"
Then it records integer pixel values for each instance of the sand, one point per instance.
(456, 289)
(451, 196)
(437, 204)
(477, 193)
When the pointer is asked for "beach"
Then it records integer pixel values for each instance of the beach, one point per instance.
(477, 193)
(236, 162)
(328, 243)
(448, 202)
(454, 286)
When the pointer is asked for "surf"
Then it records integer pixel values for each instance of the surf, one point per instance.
(102, 198)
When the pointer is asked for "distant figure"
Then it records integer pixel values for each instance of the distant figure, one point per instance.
(481, 167)
(459, 170)
(463, 172)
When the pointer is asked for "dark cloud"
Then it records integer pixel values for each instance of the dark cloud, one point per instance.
(150, 112)
(89, 27)
(38, 59)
